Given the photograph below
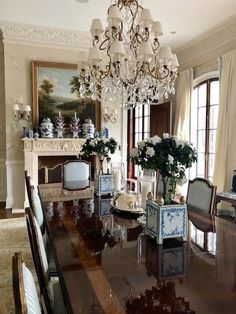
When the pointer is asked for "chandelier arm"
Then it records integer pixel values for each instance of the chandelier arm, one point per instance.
(133, 81)
(112, 5)
(104, 74)
(121, 31)
(156, 77)
(102, 45)
(136, 38)
(120, 4)
(146, 35)
(141, 38)
(134, 14)
(95, 41)
(156, 45)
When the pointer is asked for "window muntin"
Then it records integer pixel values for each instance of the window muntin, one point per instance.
(204, 115)
(140, 129)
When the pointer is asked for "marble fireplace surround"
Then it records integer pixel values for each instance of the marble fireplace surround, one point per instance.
(34, 148)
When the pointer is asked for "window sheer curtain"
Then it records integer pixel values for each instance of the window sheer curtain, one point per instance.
(225, 158)
(183, 101)
(182, 113)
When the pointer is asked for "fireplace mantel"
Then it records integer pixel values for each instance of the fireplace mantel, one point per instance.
(33, 148)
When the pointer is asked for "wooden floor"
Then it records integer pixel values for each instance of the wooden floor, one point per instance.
(7, 213)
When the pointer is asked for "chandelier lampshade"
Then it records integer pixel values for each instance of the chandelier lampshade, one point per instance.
(126, 63)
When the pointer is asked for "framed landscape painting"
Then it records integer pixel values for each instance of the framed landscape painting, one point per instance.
(55, 88)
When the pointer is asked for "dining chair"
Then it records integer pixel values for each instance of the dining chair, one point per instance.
(201, 195)
(42, 221)
(37, 208)
(50, 289)
(28, 189)
(24, 288)
(76, 175)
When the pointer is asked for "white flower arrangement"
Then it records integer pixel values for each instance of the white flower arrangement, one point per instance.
(98, 146)
(168, 155)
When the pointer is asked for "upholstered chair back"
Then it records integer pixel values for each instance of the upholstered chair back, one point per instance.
(201, 195)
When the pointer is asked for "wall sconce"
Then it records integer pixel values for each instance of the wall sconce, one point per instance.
(21, 111)
(110, 114)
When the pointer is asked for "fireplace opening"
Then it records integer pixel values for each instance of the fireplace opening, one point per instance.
(50, 168)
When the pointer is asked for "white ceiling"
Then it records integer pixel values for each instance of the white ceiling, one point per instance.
(189, 18)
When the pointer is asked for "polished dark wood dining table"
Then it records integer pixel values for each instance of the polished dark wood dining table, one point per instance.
(107, 264)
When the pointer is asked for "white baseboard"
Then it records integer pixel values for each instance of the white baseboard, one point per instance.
(18, 211)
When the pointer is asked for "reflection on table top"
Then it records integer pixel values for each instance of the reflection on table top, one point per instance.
(110, 266)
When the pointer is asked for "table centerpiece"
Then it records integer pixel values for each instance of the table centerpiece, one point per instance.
(170, 157)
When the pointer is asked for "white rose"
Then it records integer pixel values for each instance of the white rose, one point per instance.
(141, 144)
(134, 152)
(91, 143)
(156, 139)
(150, 151)
(170, 159)
(166, 135)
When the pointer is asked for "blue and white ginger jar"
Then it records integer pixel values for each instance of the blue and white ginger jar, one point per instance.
(46, 128)
(88, 129)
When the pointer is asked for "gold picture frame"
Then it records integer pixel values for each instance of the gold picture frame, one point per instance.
(54, 89)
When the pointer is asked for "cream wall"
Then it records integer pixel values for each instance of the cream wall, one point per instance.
(202, 53)
(17, 77)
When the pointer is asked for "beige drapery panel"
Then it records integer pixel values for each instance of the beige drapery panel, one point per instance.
(183, 101)
(225, 158)
(182, 113)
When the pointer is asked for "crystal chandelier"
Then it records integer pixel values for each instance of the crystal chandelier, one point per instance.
(126, 63)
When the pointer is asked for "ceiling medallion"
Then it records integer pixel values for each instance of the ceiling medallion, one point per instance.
(126, 64)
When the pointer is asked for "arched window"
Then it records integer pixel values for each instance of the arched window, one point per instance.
(203, 125)
(138, 129)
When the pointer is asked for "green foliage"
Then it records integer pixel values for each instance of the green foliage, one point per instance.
(98, 146)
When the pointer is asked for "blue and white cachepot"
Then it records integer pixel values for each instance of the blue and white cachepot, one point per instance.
(166, 262)
(46, 128)
(103, 206)
(167, 221)
(88, 128)
(103, 184)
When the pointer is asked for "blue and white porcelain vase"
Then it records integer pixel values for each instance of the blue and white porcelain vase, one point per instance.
(88, 129)
(46, 128)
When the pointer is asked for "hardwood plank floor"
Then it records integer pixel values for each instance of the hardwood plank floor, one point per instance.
(7, 213)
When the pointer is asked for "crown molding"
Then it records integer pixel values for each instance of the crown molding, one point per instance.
(211, 32)
(35, 34)
(208, 46)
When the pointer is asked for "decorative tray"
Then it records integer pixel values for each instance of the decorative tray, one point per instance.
(127, 210)
(126, 202)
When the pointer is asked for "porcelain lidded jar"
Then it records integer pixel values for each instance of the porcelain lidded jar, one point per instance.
(88, 129)
(46, 128)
